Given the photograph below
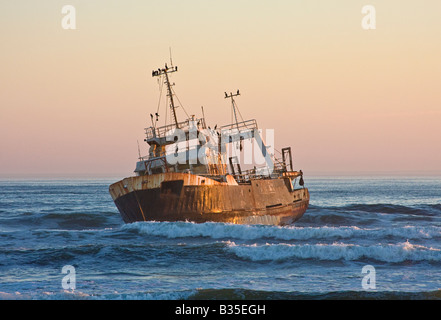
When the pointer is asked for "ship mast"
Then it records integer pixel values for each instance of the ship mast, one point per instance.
(165, 71)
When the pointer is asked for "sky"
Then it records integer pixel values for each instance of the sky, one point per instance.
(346, 99)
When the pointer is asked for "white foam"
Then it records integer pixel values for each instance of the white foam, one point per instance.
(336, 251)
(251, 232)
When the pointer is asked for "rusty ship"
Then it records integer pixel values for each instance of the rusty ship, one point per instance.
(194, 172)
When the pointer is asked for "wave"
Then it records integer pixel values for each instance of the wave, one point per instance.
(62, 218)
(79, 219)
(361, 214)
(391, 253)
(80, 295)
(214, 230)
(231, 294)
(424, 210)
(47, 255)
(418, 209)
(100, 252)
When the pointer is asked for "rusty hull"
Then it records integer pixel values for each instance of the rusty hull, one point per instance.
(189, 197)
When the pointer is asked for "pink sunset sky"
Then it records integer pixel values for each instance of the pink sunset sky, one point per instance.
(347, 100)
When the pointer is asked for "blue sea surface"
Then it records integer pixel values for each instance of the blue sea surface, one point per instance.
(391, 224)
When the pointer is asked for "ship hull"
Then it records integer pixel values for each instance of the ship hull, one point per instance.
(188, 197)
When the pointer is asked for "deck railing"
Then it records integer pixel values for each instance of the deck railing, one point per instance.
(159, 132)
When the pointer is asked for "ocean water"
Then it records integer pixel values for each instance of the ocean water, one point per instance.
(389, 225)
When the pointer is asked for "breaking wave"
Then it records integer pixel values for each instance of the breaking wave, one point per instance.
(252, 232)
(393, 253)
